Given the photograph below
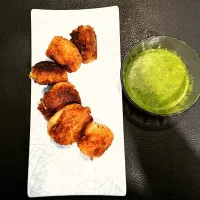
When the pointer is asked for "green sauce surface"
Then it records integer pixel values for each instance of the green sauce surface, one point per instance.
(158, 81)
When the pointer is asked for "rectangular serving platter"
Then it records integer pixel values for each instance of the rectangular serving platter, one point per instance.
(56, 170)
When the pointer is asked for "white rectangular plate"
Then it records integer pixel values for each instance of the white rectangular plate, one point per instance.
(56, 170)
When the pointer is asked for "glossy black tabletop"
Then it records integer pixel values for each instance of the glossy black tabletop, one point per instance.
(162, 154)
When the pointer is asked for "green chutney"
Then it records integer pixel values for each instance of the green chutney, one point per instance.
(158, 81)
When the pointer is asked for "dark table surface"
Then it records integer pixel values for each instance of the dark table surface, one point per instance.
(162, 154)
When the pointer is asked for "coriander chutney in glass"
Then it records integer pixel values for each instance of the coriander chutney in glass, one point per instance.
(158, 81)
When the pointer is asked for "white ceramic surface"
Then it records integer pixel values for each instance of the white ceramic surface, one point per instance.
(56, 170)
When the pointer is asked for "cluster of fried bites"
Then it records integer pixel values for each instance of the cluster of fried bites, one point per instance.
(68, 120)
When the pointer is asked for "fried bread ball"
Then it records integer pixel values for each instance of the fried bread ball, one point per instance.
(46, 72)
(96, 140)
(84, 38)
(64, 53)
(60, 95)
(66, 125)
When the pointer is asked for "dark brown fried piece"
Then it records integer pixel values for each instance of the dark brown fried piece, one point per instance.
(65, 127)
(65, 53)
(96, 140)
(84, 38)
(60, 95)
(42, 109)
(46, 72)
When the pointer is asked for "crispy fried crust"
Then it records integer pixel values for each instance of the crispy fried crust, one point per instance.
(60, 95)
(96, 140)
(84, 38)
(42, 109)
(46, 72)
(65, 53)
(66, 126)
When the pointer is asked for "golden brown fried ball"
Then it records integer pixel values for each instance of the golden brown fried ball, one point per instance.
(60, 95)
(65, 53)
(46, 72)
(84, 38)
(65, 127)
(95, 140)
